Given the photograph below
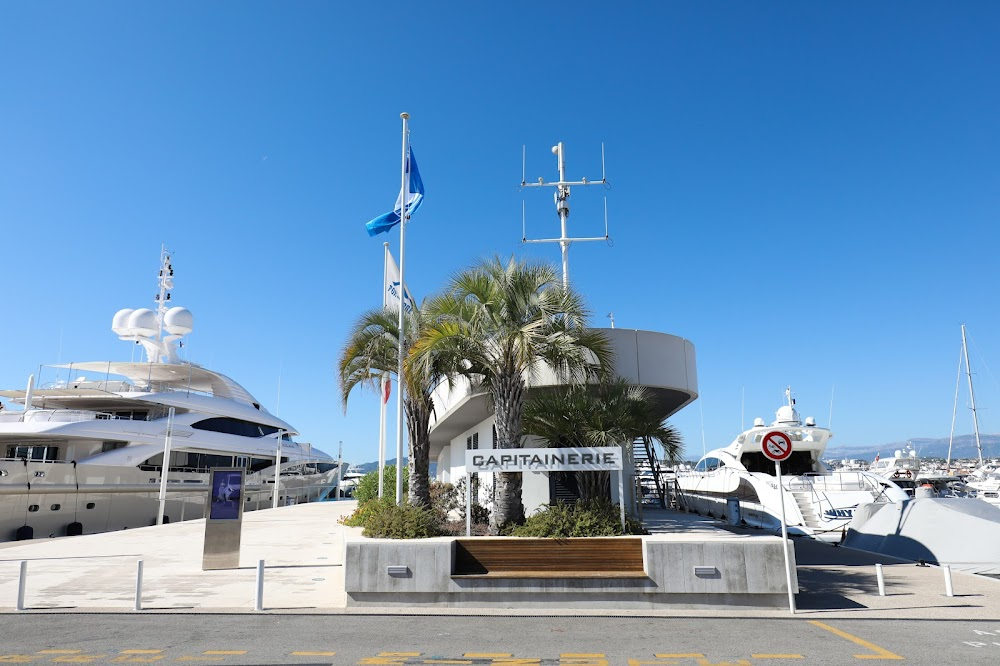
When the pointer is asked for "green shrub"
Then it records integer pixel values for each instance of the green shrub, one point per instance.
(444, 499)
(361, 514)
(405, 521)
(367, 488)
(583, 519)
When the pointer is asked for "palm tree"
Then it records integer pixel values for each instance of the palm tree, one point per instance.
(612, 413)
(499, 323)
(372, 350)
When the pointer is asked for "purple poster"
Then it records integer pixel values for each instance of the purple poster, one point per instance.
(227, 486)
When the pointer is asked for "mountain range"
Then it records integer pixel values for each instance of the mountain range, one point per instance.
(963, 446)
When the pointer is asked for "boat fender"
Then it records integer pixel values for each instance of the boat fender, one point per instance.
(895, 474)
(24, 532)
(74, 529)
(908, 474)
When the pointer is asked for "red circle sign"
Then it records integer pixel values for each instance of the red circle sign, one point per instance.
(776, 445)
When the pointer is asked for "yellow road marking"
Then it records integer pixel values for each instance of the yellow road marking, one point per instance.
(199, 658)
(880, 652)
(224, 652)
(487, 655)
(79, 658)
(313, 654)
(776, 656)
(59, 652)
(141, 651)
(680, 655)
(445, 661)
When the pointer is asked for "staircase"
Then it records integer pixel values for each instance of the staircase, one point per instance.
(804, 500)
(646, 464)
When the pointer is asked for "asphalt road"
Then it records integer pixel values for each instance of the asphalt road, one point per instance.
(240, 640)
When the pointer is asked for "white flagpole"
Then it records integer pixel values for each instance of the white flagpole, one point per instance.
(381, 395)
(402, 313)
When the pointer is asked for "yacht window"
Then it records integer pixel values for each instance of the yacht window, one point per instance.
(33, 508)
(708, 464)
(37, 452)
(800, 462)
(257, 464)
(234, 427)
(111, 446)
(55, 507)
(90, 505)
(187, 461)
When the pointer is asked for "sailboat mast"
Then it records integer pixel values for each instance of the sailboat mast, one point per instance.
(972, 396)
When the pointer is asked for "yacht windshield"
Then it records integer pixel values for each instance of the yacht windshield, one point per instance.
(800, 462)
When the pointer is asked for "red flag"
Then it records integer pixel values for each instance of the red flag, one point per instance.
(877, 456)
(386, 390)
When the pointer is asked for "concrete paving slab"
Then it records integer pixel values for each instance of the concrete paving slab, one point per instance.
(302, 547)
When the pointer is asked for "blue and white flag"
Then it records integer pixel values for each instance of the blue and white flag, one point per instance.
(392, 287)
(413, 200)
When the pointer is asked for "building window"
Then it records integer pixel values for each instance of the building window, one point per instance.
(472, 441)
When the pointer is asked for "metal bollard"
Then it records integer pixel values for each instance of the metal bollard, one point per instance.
(138, 586)
(881, 580)
(259, 599)
(948, 589)
(22, 581)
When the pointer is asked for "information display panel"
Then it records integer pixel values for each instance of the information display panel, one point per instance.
(227, 494)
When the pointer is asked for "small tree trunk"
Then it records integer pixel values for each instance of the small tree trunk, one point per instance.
(508, 403)
(417, 421)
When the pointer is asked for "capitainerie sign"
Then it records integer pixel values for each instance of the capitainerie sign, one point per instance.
(589, 458)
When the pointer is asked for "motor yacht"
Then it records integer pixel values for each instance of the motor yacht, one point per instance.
(86, 453)
(738, 483)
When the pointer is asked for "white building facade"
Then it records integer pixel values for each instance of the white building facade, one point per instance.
(664, 364)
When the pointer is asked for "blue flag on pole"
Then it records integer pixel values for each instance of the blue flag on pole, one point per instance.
(415, 197)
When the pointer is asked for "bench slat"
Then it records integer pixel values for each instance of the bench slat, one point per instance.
(600, 557)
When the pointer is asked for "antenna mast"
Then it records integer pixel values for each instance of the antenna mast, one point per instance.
(561, 196)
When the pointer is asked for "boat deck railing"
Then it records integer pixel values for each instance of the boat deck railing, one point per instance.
(63, 416)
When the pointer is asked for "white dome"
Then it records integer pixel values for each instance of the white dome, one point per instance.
(786, 414)
(178, 321)
(120, 322)
(143, 322)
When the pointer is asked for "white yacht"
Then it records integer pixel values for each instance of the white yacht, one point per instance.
(903, 467)
(86, 455)
(818, 502)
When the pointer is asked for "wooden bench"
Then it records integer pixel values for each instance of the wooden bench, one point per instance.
(592, 557)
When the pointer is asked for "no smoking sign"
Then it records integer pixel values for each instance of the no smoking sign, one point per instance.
(776, 445)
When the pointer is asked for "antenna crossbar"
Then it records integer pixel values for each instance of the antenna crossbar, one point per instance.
(562, 205)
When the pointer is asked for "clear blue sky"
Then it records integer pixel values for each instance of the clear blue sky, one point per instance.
(809, 192)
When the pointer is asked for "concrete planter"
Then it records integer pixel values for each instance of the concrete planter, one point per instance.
(682, 572)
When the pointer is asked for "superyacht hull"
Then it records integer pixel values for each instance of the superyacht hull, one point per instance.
(52, 499)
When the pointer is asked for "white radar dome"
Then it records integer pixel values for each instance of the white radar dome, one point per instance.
(143, 322)
(178, 321)
(120, 322)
